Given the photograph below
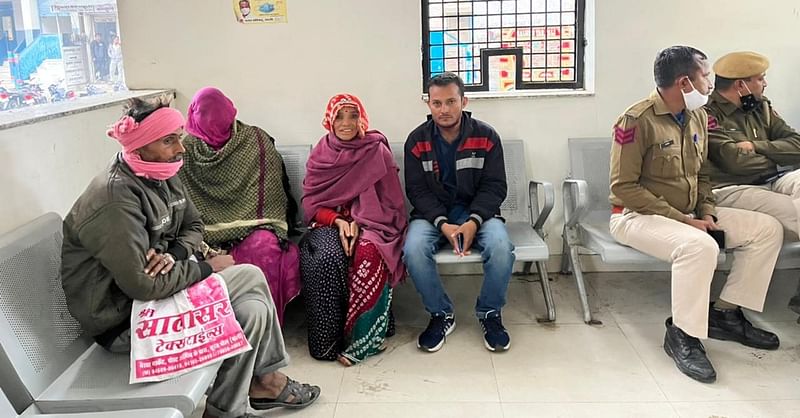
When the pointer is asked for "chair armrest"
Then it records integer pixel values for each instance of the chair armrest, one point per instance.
(575, 195)
(539, 216)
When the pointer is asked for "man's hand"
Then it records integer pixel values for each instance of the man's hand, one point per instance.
(468, 230)
(746, 146)
(220, 262)
(449, 232)
(706, 224)
(345, 235)
(158, 263)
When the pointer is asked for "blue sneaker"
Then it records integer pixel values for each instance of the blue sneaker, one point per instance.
(440, 326)
(495, 337)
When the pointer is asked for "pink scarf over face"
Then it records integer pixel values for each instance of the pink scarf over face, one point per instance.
(361, 172)
(210, 117)
(133, 135)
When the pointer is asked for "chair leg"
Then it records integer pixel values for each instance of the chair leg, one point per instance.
(566, 267)
(526, 268)
(578, 273)
(548, 295)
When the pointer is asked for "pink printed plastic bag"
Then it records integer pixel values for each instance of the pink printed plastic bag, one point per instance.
(192, 329)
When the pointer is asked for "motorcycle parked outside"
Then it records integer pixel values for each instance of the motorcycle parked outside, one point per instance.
(92, 90)
(5, 99)
(60, 94)
(11, 99)
(32, 93)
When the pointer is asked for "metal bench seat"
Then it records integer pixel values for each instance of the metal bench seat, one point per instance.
(46, 359)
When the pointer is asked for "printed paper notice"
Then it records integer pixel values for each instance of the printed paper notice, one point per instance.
(260, 11)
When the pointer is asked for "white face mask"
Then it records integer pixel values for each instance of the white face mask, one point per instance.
(245, 11)
(694, 99)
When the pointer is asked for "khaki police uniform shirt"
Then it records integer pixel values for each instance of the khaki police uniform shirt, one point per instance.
(775, 142)
(656, 161)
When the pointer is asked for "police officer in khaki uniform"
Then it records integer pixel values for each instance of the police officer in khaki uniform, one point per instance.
(663, 206)
(755, 153)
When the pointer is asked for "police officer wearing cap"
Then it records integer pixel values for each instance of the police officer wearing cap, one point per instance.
(755, 154)
(663, 206)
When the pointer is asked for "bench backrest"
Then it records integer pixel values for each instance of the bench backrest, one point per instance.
(39, 338)
(589, 160)
(515, 207)
(399, 159)
(295, 158)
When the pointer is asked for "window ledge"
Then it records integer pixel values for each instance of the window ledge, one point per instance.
(26, 116)
(521, 94)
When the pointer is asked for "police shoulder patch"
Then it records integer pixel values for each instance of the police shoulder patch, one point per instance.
(625, 130)
(712, 123)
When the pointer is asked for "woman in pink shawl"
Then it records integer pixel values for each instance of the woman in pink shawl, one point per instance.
(351, 258)
(236, 178)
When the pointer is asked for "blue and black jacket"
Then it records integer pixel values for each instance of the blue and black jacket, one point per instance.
(480, 173)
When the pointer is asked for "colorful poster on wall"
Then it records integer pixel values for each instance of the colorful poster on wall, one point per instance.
(502, 72)
(260, 11)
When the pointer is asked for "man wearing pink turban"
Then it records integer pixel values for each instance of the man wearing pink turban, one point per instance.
(130, 236)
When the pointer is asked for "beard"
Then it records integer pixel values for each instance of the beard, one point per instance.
(452, 124)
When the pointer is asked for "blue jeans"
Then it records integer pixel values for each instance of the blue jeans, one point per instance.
(497, 251)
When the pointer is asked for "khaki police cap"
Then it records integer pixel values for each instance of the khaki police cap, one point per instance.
(743, 64)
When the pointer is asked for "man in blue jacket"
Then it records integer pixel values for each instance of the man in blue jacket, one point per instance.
(456, 181)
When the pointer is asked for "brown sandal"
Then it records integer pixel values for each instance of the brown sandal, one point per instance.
(303, 395)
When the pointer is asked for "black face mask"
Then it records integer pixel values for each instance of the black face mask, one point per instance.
(749, 101)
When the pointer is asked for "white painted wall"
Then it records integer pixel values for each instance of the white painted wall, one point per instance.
(280, 77)
(47, 165)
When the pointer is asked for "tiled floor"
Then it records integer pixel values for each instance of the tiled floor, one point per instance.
(566, 369)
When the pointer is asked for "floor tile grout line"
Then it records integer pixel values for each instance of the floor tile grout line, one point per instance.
(675, 410)
(739, 400)
(497, 386)
(590, 283)
(339, 392)
(577, 402)
(416, 402)
(571, 402)
(644, 363)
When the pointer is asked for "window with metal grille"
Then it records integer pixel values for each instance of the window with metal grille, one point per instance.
(501, 46)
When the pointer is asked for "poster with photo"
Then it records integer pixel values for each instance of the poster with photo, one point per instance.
(260, 11)
(502, 72)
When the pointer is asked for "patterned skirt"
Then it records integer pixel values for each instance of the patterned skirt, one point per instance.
(347, 301)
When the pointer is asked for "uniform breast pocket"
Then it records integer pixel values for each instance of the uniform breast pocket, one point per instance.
(737, 134)
(666, 162)
(697, 158)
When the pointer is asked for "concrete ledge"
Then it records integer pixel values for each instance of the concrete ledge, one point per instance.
(29, 115)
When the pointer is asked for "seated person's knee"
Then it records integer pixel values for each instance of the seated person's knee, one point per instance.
(703, 245)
